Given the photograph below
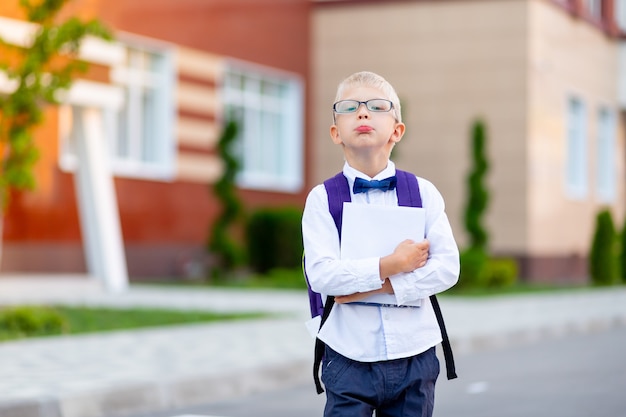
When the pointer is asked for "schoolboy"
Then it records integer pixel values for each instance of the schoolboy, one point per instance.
(377, 358)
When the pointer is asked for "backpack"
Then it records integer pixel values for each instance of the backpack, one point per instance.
(338, 191)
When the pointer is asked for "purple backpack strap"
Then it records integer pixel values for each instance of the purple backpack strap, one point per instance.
(315, 299)
(338, 192)
(408, 190)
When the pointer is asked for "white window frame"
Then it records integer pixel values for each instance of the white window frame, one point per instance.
(162, 142)
(576, 165)
(606, 169)
(160, 122)
(620, 14)
(270, 139)
(594, 9)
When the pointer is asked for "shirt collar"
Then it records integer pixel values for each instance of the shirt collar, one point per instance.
(352, 173)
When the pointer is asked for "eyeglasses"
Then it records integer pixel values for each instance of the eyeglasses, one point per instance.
(351, 106)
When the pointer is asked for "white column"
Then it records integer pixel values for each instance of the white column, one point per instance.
(102, 237)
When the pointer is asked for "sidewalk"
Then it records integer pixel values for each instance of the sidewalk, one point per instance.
(118, 373)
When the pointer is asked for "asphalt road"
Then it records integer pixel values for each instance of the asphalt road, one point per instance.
(577, 376)
(574, 376)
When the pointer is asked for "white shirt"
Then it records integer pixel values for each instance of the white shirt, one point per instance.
(375, 333)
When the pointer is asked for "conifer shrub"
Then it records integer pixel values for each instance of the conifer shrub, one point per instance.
(602, 258)
(225, 241)
(474, 257)
(478, 269)
(478, 194)
(622, 254)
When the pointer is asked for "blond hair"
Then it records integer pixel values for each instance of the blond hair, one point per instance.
(372, 80)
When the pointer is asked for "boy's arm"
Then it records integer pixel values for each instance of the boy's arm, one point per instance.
(407, 256)
(441, 270)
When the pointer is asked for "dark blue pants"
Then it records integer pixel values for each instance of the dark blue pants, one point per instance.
(395, 388)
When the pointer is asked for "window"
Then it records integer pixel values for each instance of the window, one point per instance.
(140, 135)
(268, 107)
(606, 170)
(620, 14)
(594, 9)
(576, 162)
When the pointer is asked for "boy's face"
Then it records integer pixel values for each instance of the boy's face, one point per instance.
(365, 131)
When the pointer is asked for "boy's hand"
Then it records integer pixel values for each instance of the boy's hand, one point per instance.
(385, 289)
(407, 257)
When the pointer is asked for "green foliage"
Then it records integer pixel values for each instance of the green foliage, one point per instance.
(31, 321)
(39, 72)
(223, 242)
(28, 321)
(480, 271)
(622, 254)
(473, 264)
(276, 278)
(501, 273)
(275, 238)
(478, 198)
(602, 259)
(477, 270)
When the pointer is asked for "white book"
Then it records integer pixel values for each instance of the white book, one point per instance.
(375, 231)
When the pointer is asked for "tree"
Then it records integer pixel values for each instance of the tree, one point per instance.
(622, 254)
(602, 259)
(478, 193)
(474, 258)
(229, 252)
(37, 73)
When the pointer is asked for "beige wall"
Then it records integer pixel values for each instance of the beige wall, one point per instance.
(567, 57)
(450, 62)
(514, 63)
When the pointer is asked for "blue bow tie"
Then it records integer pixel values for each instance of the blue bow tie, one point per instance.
(362, 186)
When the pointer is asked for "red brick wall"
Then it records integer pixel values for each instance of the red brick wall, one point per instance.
(163, 223)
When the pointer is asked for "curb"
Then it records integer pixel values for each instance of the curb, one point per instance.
(527, 336)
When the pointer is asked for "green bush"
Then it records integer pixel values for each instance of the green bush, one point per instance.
(473, 268)
(478, 270)
(274, 237)
(622, 254)
(25, 321)
(602, 259)
(501, 272)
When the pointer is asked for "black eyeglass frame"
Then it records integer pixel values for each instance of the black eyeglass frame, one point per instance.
(391, 107)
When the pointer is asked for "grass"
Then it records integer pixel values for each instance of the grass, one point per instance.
(34, 321)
